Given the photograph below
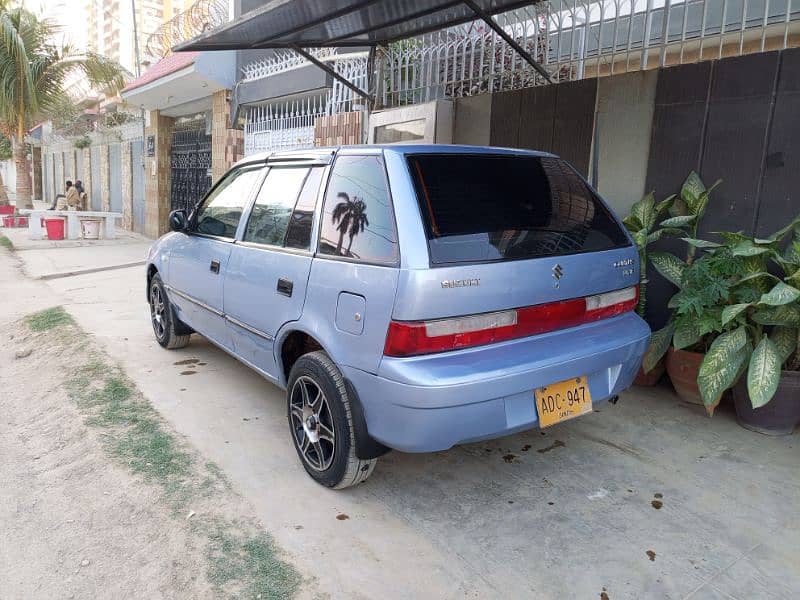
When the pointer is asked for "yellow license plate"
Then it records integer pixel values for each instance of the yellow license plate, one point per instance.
(562, 401)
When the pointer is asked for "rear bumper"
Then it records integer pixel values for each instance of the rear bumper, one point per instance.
(431, 403)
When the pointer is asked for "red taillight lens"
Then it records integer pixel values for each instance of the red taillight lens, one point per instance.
(407, 338)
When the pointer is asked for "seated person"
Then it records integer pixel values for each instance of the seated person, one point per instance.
(84, 197)
(73, 197)
(55, 201)
(61, 201)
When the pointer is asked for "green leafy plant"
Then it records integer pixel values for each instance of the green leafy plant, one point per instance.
(692, 324)
(689, 207)
(686, 212)
(5, 148)
(642, 223)
(759, 316)
(82, 142)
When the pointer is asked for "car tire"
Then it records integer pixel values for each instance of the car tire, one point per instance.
(321, 423)
(169, 331)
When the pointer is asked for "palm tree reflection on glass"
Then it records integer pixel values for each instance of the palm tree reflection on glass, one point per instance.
(351, 216)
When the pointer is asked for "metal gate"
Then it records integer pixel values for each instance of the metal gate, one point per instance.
(47, 179)
(58, 170)
(96, 194)
(190, 164)
(69, 167)
(79, 174)
(115, 177)
(137, 176)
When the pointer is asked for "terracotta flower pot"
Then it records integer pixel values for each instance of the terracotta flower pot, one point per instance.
(683, 367)
(650, 378)
(779, 416)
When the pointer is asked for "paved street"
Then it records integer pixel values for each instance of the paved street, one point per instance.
(645, 499)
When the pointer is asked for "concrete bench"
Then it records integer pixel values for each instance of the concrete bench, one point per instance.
(73, 232)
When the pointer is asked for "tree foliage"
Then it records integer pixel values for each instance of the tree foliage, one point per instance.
(33, 69)
(33, 72)
(5, 148)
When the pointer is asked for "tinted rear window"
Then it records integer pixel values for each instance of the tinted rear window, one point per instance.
(497, 207)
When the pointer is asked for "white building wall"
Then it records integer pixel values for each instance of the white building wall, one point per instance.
(9, 174)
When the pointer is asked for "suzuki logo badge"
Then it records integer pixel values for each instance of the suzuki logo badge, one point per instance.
(558, 273)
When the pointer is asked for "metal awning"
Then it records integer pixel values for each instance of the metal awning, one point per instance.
(320, 23)
(300, 24)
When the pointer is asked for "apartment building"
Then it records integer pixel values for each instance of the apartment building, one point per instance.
(111, 26)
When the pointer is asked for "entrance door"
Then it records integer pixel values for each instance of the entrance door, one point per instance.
(190, 165)
(199, 260)
(268, 272)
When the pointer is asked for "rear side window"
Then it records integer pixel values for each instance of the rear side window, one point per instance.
(357, 220)
(481, 208)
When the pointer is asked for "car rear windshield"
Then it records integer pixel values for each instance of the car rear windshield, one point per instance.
(492, 207)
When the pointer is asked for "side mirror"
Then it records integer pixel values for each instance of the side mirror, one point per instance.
(177, 220)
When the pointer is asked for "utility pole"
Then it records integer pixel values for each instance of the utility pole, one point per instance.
(137, 57)
(138, 70)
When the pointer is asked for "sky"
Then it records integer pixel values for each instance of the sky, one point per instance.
(70, 15)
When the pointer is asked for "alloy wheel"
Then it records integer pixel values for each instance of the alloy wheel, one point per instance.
(312, 423)
(158, 311)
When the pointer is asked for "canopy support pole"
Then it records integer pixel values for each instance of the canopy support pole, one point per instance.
(487, 18)
(332, 72)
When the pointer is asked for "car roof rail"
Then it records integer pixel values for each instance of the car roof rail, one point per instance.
(318, 158)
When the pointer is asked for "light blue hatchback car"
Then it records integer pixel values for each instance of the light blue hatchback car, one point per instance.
(409, 297)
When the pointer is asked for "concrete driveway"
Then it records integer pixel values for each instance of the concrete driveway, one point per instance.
(645, 499)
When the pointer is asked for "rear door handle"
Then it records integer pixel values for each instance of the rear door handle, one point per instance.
(214, 266)
(285, 287)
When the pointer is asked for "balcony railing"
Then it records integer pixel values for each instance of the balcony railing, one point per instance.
(574, 39)
(285, 125)
(280, 62)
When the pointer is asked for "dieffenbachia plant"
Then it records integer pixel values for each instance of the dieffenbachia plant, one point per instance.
(642, 224)
(686, 212)
(747, 317)
(760, 334)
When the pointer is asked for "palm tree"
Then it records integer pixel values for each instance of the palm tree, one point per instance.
(33, 70)
(352, 218)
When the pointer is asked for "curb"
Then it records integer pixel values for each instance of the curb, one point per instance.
(48, 276)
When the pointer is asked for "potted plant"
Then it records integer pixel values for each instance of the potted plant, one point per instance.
(682, 340)
(756, 353)
(642, 224)
(692, 326)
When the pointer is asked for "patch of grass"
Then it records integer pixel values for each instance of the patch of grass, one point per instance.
(94, 368)
(243, 561)
(153, 452)
(213, 480)
(6, 243)
(139, 439)
(48, 319)
(249, 560)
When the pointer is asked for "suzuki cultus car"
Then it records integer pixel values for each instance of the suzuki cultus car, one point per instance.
(409, 297)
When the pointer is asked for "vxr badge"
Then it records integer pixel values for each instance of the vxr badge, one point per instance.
(558, 273)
